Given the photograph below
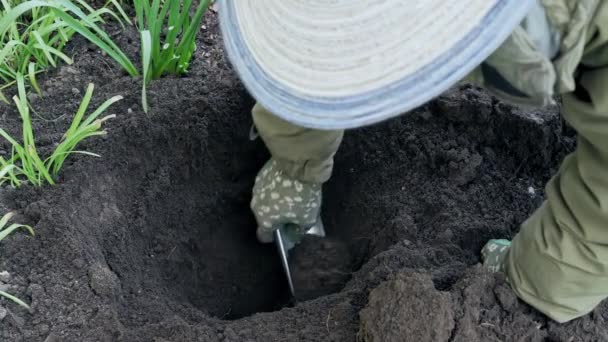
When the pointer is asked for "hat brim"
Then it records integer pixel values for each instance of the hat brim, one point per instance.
(435, 76)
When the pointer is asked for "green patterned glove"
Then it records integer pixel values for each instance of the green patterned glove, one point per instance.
(279, 200)
(494, 253)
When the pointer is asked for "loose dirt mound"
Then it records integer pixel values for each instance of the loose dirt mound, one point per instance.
(155, 242)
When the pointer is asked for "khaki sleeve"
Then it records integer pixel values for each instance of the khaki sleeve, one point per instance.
(558, 262)
(303, 153)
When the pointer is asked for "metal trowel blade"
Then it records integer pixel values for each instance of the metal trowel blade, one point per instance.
(286, 237)
(283, 254)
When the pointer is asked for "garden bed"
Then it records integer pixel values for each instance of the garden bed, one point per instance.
(154, 241)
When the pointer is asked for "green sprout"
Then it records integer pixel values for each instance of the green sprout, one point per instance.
(26, 163)
(168, 34)
(33, 34)
(4, 232)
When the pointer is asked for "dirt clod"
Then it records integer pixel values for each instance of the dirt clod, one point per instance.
(103, 281)
(408, 305)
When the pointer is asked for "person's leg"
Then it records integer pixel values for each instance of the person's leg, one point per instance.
(558, 262)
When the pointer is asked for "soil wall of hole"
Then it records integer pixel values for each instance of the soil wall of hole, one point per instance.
(155, 242)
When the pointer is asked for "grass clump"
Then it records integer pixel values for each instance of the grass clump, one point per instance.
(168, 32)
(25, 162)
(33, 34)
(4, 232)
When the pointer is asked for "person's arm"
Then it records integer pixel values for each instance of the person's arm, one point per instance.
(558, 262)
(288, 188)
(521, 70)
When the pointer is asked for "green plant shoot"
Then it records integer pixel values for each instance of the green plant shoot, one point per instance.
(33, 34)
(26, 163)
(168, 34)
(4, 232)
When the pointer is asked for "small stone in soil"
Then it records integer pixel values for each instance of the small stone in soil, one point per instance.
(103, 281)
(3, 313)
(5, 276)
(43, 329)
(19, 321)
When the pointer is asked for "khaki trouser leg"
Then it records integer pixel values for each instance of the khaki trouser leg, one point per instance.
(303, 153)
(558, 262)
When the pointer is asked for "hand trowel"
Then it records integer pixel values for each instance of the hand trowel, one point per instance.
(287, 237)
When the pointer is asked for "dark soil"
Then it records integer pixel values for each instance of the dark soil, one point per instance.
(319, 266)
(155, 241)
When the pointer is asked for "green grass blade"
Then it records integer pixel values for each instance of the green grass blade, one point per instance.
(10, 176)
(5, 232)
(47, 50)
(26, 168)
(32, 74)
(187, 4)
(152, 16)
(102, 109)
(153, 12)
(85, 6)
(63, 32)
(9, 139)
(55, 162)
(139, 13)
(156, 31)
(24, 111)
(57, 159)
(79, 152)
(41, 168)
(101, 39)
(120, 10)
(164, 66)
(4, 220)
(4, 98)
(186, 47)
(146, 51)
(109, 47)
(88, 128)
(84, 104)
(31, 162)
(14, 299)
(8, 48)
(97, 15)
(5, 172)
(9, 17)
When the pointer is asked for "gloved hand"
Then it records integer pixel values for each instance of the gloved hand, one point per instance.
(279, 199)
(494, 253)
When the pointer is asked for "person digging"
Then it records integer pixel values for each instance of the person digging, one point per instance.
(319, 67)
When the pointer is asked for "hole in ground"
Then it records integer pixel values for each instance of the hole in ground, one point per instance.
(190, 237)
(213, 261)
(189, 242)
(193, 239)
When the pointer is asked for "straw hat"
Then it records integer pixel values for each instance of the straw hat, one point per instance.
(333, 64)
